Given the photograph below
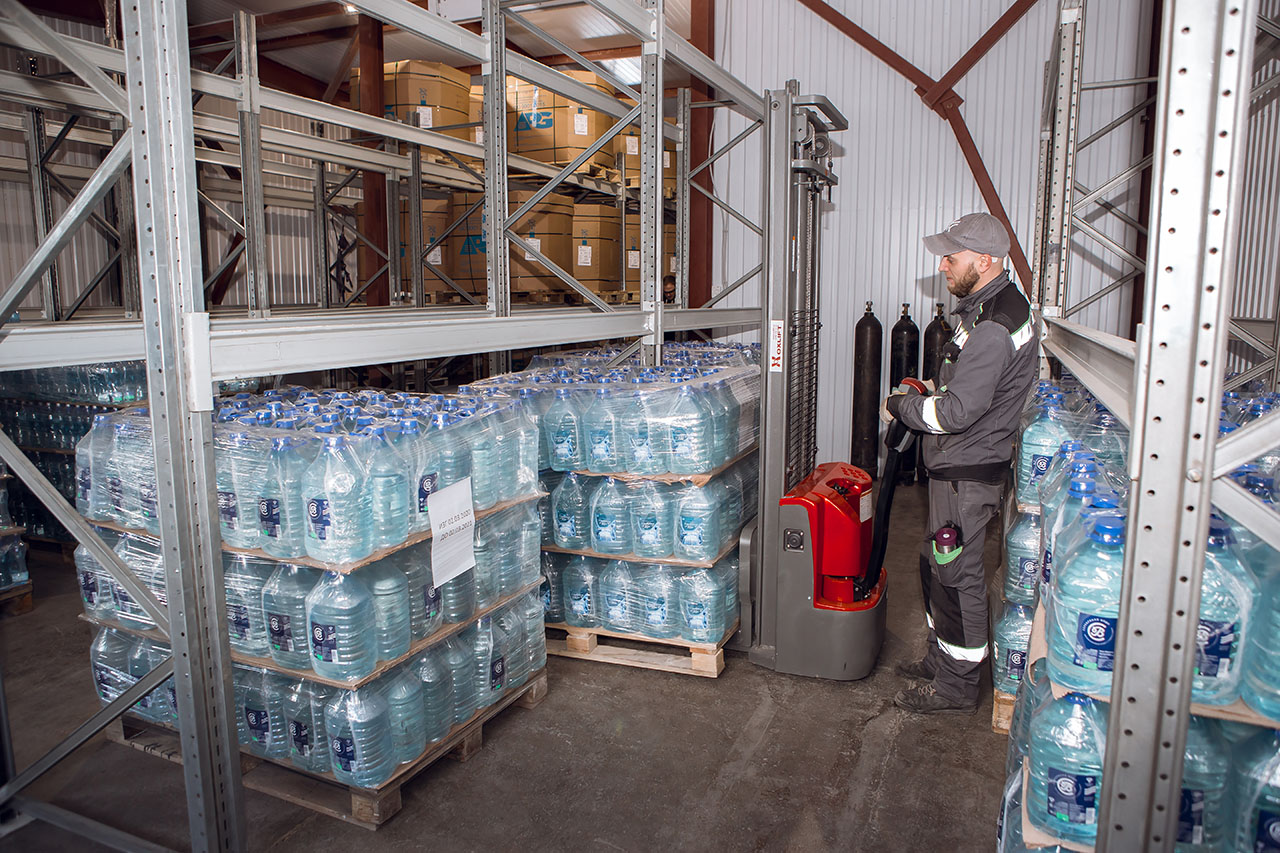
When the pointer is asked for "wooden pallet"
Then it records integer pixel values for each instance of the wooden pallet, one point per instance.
(17, 600)
(1001, 711)
(704, 659)
(366, 807)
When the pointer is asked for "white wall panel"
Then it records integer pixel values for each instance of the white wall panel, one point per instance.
(902, 174)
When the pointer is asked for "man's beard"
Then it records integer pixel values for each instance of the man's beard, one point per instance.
(964, 284)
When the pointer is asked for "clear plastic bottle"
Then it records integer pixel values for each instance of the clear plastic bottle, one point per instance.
(342, 619)
(243, 578)
(436, 679)
(697, 524)
(109, 659)
(603, 430)
(581, 599)
(1040, 439)
(535, 633)
(425, 612)
(1261, 684)
(553, 590)
(511, 620)
(1068, 743)
(489, 647)
(1084, 610)
(406, 713)
(337, 500)
(642, 434)
(651, 521)
(459, 657)
(388, 487)
(659, 606)
(1255, 793)
(92, 455)
(1010, 639)
(261, 704)
(571, 511)
(1033, 692)
(304, 719)
(96, 586)
(1228, 597)
(282, 512)
(390, 590)
(451, 449)
(727, 570)
(1206, 764)
(562, 425)
(1022, 560)
(143, 556)
(1058, 515)
(284, 609)
(359, 729)
(689, 435)
(423, 466)
(610, 518)
(618, 597)
(486, 458)
(701, 606)
(240, 456)
(145, 656)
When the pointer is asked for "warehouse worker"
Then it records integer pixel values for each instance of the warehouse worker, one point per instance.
(669, 289)
(967, 428)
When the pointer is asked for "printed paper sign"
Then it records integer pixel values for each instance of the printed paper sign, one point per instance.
(633, 145)
(536, 243)
(666, 159)
(580, 124)
(452, 532)
(673, 264)
(633, 259)
(479, 135)
(777, 330)
(435, 257)
(584, 256)
(426, 117)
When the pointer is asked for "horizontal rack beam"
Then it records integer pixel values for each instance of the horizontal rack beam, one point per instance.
(1103, 362)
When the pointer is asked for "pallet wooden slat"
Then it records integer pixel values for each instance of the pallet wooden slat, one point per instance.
(17, 600)
(1001, 711)
(703, 659)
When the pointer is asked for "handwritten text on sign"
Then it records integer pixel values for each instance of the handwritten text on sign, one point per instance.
(452, 532)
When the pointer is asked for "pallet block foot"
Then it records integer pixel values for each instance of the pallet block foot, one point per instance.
(471, 744)
(374, 807)
(1002, 711)
(708, 662)
(583, 643)
(535, 694)
(16, 601)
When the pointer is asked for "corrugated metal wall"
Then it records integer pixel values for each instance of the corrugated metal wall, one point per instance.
(902, 175)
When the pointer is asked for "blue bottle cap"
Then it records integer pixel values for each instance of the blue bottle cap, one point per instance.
(365, 420)
(603, 392)
(1083, 466)
(1261, 485)
(335, 440)
(1078, 699)
(1220, 535)
(1081, 486)
(1104, 500)
(324, 428)
(1108, 529)
(282, 442)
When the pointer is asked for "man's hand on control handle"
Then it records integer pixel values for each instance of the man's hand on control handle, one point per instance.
(910, 385)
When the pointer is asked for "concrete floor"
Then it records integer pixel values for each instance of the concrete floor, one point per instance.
(615, 758)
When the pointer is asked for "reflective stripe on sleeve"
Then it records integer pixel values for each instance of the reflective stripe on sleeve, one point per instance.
(929, 413)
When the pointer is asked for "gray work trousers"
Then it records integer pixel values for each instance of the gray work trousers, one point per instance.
(955, 590)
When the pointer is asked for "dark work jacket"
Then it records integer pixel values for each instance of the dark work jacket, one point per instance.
(988, 368)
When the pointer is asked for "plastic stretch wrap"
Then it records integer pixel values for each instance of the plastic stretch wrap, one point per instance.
(13, 562)
(143, 556)
(1068, 743)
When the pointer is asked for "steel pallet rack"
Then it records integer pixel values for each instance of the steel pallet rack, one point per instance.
(143, 90)
(1166, 385)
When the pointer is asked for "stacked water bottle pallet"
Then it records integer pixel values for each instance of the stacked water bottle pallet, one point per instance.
(1067, 562)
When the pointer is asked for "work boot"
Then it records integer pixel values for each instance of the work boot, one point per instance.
(917, 670)
(924, 699)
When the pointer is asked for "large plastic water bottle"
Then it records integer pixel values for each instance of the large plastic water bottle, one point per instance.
(92, 454)
(422, 463)
(282, 512)
(1255, 793)
(701, 606)
(581, 592)
(697, 523)
(143, 556)
(459, 657)
(491, 647)
(406, 713)
(1068, 742)
(511, 620)
(437, 692)
(1261, 684)
(1060, 512)
(619, 597)
(390, 590)
(243, 577)
(487, 548)
(1022, 560)
(458, 597)
(361, 750)
(1206, 764)
(1011, 637)
(535, 634)
(337, 500)
(451, 448)
(486, 459)
(1084, 610)
(689, 435)
(658, 611)
(388, 487)
(95, 586)
(610, 518)
(552, 589)
(145, 656)
(284, 610)
(109, 659)
(304, 720)
(562, 425)
(642, 435)
(727, 570)
(1067, 452)
(720, 420)
(262, 695)
(651, 520)
(1228, 595)
(425, 612)
(571, 513)
(1040, 440)
(604, 435)
(342, 619)
(1033, 692)
(240, 457)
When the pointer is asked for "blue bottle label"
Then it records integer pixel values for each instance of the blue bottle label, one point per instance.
(115, 493)
(228, 509)
(318, 518)
(269, 516)
(580, 601)
(278, 625)
(648, 531)
(566, 524)
(259, 722)
(173, 698)
(680, 443)
(601, 445)
(692, 530)
(1028, 571)
(1046, 566)
(655, 611)
(147, 499)
(1072, 797)
(89, 587)
(606, 525)
(1039, 466)
(616, 604)
(1095, 642)
(1015, 663)
(1191, 817)
(299, 738)
(344, 752)
(1215, 641)
(564, 445)
(497, 669)
(641, 451)
(431, 598)
(238, 617)
(426, 486)
(1266, 838)
(103, 675)
(324, 641)
(84, 482)
(695, 615)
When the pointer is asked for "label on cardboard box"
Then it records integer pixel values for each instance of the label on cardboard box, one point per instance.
(435, 257)
(479, 135)
(633, 259)
(666, 159)
(536, 243)
(633, 145)
(584, 255)
(426, 116)
(673, 263)
(580, 124)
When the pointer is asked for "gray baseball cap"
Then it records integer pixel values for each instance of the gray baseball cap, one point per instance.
(976, 232)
